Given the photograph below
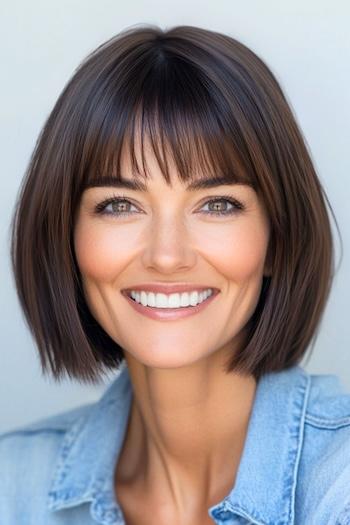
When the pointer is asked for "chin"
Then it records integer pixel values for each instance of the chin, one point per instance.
(159, 359)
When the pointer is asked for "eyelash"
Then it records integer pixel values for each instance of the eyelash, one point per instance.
(100, 207)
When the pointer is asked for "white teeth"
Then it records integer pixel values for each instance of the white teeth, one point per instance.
(174, 300)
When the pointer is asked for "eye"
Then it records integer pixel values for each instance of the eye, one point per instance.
(222, 209)
(120, 206)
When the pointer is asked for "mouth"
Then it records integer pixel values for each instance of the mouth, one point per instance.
(170, 313)
(193, 295)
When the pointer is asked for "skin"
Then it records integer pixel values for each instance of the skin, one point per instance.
(188, 418)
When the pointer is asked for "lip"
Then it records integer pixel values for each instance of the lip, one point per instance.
(169, 314)
(169, 288)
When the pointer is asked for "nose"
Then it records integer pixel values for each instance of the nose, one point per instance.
(169, 247)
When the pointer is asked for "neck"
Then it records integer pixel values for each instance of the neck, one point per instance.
(186, 431)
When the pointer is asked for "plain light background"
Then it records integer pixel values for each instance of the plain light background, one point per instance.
(307, 46)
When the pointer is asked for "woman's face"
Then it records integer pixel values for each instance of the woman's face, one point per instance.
(166, 234)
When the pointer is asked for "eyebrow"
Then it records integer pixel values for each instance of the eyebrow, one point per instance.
(137, 185)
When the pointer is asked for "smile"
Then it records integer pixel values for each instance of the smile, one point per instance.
(175, 312)
(174, 300)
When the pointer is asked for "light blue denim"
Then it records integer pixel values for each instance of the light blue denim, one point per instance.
(294, 469)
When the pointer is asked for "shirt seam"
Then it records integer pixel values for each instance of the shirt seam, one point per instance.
(327, 423)
(14, 433)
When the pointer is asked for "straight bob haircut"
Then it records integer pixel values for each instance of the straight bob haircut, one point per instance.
(213, 105)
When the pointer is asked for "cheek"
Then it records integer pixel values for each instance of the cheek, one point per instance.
(100, 252)
(239, 251)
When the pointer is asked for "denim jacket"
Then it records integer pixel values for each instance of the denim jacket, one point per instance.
(294, 468)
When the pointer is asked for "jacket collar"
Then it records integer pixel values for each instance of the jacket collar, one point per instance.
(85, 467)
(264, 490)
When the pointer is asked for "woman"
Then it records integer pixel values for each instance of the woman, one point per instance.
(171, 225)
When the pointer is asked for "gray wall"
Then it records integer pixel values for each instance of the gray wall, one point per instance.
(306, 44)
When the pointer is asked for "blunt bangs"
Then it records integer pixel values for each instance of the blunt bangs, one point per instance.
(176, 108)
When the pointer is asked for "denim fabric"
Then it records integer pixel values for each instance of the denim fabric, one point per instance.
(294, 469)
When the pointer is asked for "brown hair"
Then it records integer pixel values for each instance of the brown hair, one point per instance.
(202, 97)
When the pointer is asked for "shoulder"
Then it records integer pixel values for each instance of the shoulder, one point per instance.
(28, 456)
(328, 403)
(38, 436)
(323, 488)
(59, 422)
